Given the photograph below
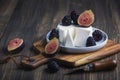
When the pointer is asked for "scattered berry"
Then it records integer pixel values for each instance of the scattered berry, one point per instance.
(53, 66)
(54, 33)
(97, 35)
(74, 17)
(90, 42)
(66, 21)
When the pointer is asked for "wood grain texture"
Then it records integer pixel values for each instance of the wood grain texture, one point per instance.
(32, 19)
(73, 59)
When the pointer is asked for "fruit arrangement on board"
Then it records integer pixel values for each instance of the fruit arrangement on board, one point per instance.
(74, 31)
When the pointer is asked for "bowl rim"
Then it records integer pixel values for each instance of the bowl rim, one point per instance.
(99, 43)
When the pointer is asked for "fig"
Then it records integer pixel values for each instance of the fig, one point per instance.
(52, 47)
(86, 18)
(15, 45)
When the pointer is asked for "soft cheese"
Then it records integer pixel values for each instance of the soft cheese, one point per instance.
(90, 29)
(73, 35)
(69, 39)
(81, 37)
(64, 31)
(62, 35)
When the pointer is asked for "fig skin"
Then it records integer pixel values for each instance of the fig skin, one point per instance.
(86, 18)
(17, 49)
(53, 41)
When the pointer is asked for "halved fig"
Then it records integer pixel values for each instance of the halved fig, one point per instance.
(15, 45)
(86, 18)
(52, 46)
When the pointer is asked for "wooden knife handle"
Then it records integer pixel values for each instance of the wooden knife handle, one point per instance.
(103, 65)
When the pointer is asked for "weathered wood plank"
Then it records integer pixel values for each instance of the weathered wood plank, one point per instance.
(32, 19)
(6, 10)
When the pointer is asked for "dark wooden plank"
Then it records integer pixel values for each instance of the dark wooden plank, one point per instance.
(32, 19)
(6, 10)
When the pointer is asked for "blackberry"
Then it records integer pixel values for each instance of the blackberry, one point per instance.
(66, 21)
(54, 33)
(74, 17)
(90, 42)
(97, 35)
(53, 66)
(73, 13)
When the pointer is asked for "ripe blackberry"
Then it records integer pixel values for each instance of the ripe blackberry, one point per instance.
(54, 33)
(53, 66)
(90, 41)
(97, 35)
(74, 17)
(73, 13)
(66, 21)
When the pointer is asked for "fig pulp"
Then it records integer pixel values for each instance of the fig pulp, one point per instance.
(52, 46)
(86, 18)
(15, 45)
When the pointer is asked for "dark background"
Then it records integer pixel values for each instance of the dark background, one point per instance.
(32, 19)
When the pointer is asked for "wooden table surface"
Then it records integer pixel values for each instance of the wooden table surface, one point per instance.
(32, 19)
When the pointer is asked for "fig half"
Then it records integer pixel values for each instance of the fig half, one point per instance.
(86, 18)
(15, 45)
(52, 46)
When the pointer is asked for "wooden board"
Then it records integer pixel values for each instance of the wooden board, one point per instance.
(74, 60)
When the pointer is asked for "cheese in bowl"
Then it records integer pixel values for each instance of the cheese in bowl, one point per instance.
(73, 36)
(76, 34)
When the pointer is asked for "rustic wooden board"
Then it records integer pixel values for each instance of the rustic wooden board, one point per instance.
(32, 19)
(74, 60)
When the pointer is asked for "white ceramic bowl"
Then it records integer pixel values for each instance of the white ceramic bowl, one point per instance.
(98, 45)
